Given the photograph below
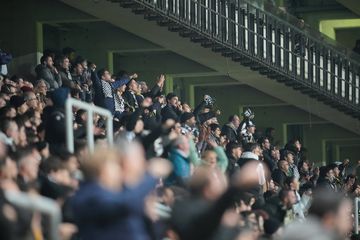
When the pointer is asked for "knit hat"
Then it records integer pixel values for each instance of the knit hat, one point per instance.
(185, 116)
(59, 97)
(17, 101)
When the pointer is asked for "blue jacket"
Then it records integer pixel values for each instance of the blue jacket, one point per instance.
(104, 215)
(181, 168)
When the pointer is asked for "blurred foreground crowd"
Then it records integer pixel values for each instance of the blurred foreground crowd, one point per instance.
(173, 172)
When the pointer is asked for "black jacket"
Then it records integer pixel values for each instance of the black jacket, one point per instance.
(169, 112)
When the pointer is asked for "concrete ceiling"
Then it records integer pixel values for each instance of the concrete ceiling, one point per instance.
(352, 5)
(125, 19)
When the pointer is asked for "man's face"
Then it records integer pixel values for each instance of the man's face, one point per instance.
(65, 64)
(186, 107)
(211, 159)
(144, 87)
(49, 62)
(284, 166)
(173, 101)
(258, 151)
(134, 86)
(32, 101)
(266, 144)
(291, 199)
(330, 175)
(79, 69)
(251, 129)
(217, 132)
(237, 152)
(191, 122)
(290, 158)
(236, 121)
(106, 76)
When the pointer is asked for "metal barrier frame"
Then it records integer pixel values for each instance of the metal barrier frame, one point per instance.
(38, 203)
(233, 26)
(90, 109)
(356, 215)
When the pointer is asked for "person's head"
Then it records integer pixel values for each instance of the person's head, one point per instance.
(31, 99)
(47, 61)
(250, 128)
(81, 117)
(215, 129)
(234, 149)
(283, 165)
(329, 174)
(265, 143)
(188, 119)
(28, 164)
(289, 156)
(172, 99)
(335, 169)
(78, 69)
(133, 162)
(64, 62)
(41, 87)
(292, 183)
(144, 87)
(350, 179)
(10, 128)
(182, 144)
(235, 120)
(104, 74)
(70, 161)
(133, 86)
(287, 198)
(186, 107)
(19, 104)
(210, 158)
(275, 153)
(254, 148)
(333, 210)
(208, 183)
(8, 168)
(104, 167)
(177, 128)
(54, 168)
(8, 112)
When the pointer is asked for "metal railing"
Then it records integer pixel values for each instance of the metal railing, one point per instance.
(90, 109)
(40, 204)
(356, 215)
(288, 49)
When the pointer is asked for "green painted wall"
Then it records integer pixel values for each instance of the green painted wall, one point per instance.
(315, 129)
(348, 36)
(18, 22)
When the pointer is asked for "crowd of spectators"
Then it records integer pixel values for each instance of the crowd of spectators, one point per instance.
(174, 171)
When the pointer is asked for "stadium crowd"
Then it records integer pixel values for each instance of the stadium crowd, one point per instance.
(174, 171)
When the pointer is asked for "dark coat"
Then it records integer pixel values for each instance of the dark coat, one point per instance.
(169, 112)
(279, 177)
(230, 133)
(103, 215)
(52, 79)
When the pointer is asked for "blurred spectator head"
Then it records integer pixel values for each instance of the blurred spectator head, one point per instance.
(172, 99)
